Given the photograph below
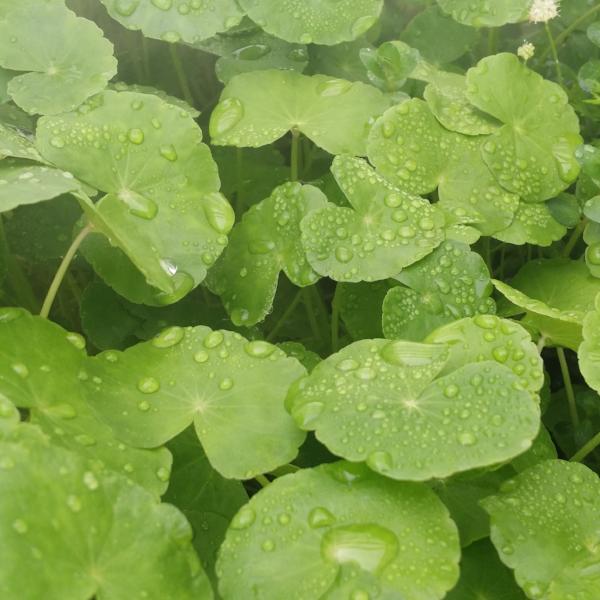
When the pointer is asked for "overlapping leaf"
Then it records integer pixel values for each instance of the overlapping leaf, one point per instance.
(486, 13)
(259, 107)
(385, 230)
(589, 351)
(162, 208)
(266, 242)
(45, 39)
(305, 531)
(229, 388)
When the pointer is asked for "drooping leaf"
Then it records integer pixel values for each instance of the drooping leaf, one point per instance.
(42, 368)
(533, 154)
(556, 294)
(162, 207)
(229, 388)
(176, 20)
(308, 359)
(396, 406)
(266, 242)
(385, 230)
(23, 182)
(45, 40)
(483, 13)
(545, 527)
(15, 143)
(84, 528)
(259, 107)
(314, 21)
(451, 283)
(391, 64)
(208, 500)
(303, 530)
(121, 86)
(589, 351)
(483, 576)
(409, 147)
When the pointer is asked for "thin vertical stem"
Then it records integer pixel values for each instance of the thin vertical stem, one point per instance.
(572, 242)
(295, 157)
(285, 316)
(557, 66)
(588, 447)
(564, 369)
(62, 271)
(181, 75)
(264, 482)
(335, 327)
(310, 313)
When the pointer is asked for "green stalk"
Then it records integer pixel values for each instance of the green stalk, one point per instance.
(588, 447)
(335, 327)
(564, 369)
(572, 242)
(284, 317)
(310, 313)
(181, 75)
(295, 155)
(557, 66)
(264, 482)
(62, 271)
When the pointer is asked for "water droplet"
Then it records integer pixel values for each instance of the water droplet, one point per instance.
(320, 517)
(362, 25)
(298, 54)
(466, 438)
(252, 52)
(77, 340)
(90, 481)
(371, 547)
(306, 414)
(148, 385)
(219, 213)
(169, 337)
(226, 115)
(144, 405)
(348, 364)
(500, 354)
(593, 254)
(135, 136)
(259, 349)
(226, 384)
(163, 4)
(21, 370)
(244, 518)
(268, 545)
(213, 339)
(486, 321)
(343, 254)
(163, 474)
(126, 7)
(74, 503)
(380, 461)
(57, 142)
(138, 205)
(451, 391)
(333, 87)
(201, 356)
(168, 151)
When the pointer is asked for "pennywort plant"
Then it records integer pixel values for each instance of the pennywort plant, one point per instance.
(299, 299)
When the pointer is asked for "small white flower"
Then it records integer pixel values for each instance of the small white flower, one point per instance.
(526, 51)
(542, 11)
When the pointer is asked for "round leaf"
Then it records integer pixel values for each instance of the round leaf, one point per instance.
(385, 403)
(264, 243)
(46, 40)
(303, 530)
(231, 389)
(384, 231)
(85, 528)
(451, 283)
(162, 208)
(589, 351)
(545, 525)
(484, 13)
(314, 21)
(259, 107)
(533, 154)
(176, 20)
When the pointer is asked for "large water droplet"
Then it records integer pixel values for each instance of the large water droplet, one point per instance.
(380, 461)
(163, 4)
(126, 7)
(169, 337)
(362, 25)
(333, 87)
(219, 213)
(252, 52)
(244, 518)
(135, 136)
(259, 349)
(320, 517)
(226, 115)
(213, 339)
(306, 414)
(168, 151)
(148, 385)
(138, 205)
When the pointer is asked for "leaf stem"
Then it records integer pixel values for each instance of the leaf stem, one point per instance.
(564, 369)
(541, 343)
(571, 28)
(572, 242)
(295, 155)
(557, 66)
(586, 449)
(310, 313)
(181, 75)
(264, 482)
(62, 271)
(335, 327)
(284, 317)
(285, 470)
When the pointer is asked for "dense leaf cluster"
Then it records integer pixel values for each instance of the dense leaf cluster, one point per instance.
(299, 299)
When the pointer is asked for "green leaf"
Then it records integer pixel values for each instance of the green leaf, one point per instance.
(409, 147)
(385, 230)
(390, 65)
(42, 368)
(533, 154)
(314, 21)
(545, 527)
(45, 40)
(556, 294)
(589, 351)
(175, 21)
(94, 533)
(395, 406)
(162, 207)
(359, 305)
(483, 13)
(121, 86)
(439, 38)
(208, 500)
(259, 107)
(5, 77)
(482, 576)
(266, 242)
(396, 535)
(23, 182)
(533, 224)
(451, 283)
(489, 338)
(15, 143)
(215, 379)
(9, 417)
(308, 359)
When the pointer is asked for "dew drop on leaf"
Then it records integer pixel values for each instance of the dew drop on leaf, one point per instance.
(169, 337)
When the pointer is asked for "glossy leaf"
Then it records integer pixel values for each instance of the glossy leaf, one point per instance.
(589, 351)
(266, 242)
(397, 406)
(385, 230)
(15, 143)
(229, 388)
(483, 13)
(45, 41)
(259, 107)
(396, 535)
